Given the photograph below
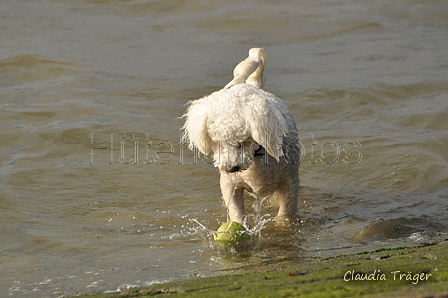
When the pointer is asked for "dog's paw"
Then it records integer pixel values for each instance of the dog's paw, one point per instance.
(287, 220)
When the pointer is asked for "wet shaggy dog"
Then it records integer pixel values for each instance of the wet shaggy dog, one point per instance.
(253, 137)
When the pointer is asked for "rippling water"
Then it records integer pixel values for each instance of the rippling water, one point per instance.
(96, 191)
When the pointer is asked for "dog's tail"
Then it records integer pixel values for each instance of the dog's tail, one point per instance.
(250, 70)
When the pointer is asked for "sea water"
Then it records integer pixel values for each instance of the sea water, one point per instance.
(97, 191)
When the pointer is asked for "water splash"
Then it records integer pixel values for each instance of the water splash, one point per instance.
(206, 234)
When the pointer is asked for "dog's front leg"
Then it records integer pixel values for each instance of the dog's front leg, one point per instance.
(287, 193)
(233, 196)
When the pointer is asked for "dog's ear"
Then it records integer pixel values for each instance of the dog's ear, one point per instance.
(268, 131)
(195, 128)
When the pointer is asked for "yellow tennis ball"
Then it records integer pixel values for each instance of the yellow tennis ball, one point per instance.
(231, 233)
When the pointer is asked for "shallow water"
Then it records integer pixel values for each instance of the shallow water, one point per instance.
(97, 192)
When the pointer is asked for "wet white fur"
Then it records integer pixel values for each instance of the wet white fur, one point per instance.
(232, 123)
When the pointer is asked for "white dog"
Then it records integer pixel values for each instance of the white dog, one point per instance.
(253, 137)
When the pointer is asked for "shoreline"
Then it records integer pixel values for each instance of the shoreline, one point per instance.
(410, 271)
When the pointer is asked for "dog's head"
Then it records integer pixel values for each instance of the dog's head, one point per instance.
(236, 157)
(235, 123)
